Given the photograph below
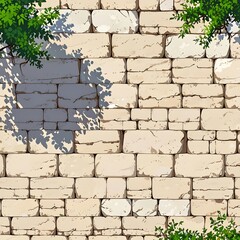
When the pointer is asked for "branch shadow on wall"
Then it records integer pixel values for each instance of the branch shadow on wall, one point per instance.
(12, 111)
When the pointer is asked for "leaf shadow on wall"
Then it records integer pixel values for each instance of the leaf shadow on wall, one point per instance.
(17, 121)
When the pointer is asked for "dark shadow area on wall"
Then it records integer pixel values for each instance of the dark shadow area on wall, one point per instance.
(24, 88)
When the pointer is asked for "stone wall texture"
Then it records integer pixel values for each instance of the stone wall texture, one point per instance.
(127, 127)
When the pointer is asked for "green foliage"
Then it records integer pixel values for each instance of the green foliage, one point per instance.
(21, 24)
(218, 231)
(216, 15)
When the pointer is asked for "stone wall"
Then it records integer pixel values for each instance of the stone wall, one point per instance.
(127, 128)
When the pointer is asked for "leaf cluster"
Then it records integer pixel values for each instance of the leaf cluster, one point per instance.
(218, 231)
(23, 29)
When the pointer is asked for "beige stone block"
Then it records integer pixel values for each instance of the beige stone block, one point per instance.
(74, 4)
(4, 225)
(148, 30)
(226, 71)
(160, 20)
(76, 165)
(232, 168)
(2, 166)
(116, 207)
(219, 47)
(183, 125)
(13, 141)
(189, 222)
(178, 6)
(50, 3)
(184, 115)
(115, 165)
(237, 188)
(52, 208)
(116, 188)
(208, 207)
(11, 237)
(174, 207)
(107, 238)
(154, 165)
(227, 119)
(183, 47)
(74, 226)
(97, 142)
(20, 207)
(91, 188)
(115, 4)
(201, 71)
(160, 115)
(213, 188)
(108, 70)
(33, 225)
(226, 135)
(232, 103)
(137, 45)
(82, 207)
(49, 238)
(30, 165)
(144, 207)
(204, 165)
(201, 135)
(79, 46)
(198, 147)
(14, 188)
(159, 96)
(166, 5)
(118, 125)
(77, 238)
(138, 226)
(149, 5)
(139, 187)
(141, 114)
(107, 225)
(234, 46)
(152, 125)
(234, 207)
(121, 96)
(171, 188)
(115, 21)
(57, 187)
(115, 114)
(223, 147)
(144, 141)
(232, 90)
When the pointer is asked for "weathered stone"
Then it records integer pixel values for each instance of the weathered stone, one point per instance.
(174, 207)
(201, 135)
(166, 5)
(160, 115)
(234, 45)
(55, 115)
(115, 4)
(138, 188)
(116, 188)
(233, 207)
(223, 147)
(167, 142)
(226, 135)
(115, 21)
(149, 5)
(232, 165)
(141, 114)
(198, 147)
(73, 4)
(4, 225)
(36, 88)
(52, 207)
(107, 225)
(144, 207)
(204, 165)
(116, 207)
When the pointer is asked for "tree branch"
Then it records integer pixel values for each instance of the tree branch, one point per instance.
(1, 49)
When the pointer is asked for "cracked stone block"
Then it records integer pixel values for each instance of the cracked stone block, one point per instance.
(171, 188)
(208, 207)
(232, 165)
(107, 226)
(48, 188)
(139, 187)
(203, 95)
(115, 4)
(201, 135)
(144, 141)
(33, 225)
(144, 207)
(154, 165)
(76, 165)
(234, 207)
(14, 188)
(97, 142)
(115, 21)
(152, 125)
(138, 226)
(227, 119)
(144, 70)
(232, 96)
(223, 147)
(183, 48)
(116, 114)
(116, 207)
(30, 165)
(116, 188)
(81, 226)
(149, 5)
(204, 165)
(25, 88)
(103, 71)
(137, 45)
(4, 225)
(166, 5)
(115, 165)
(51, 208)
(91, 188)
(75, 4)
(159, 96)
(192, 71)
(213, 188)
(20, 207)
(83, 207)
(174, 207)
